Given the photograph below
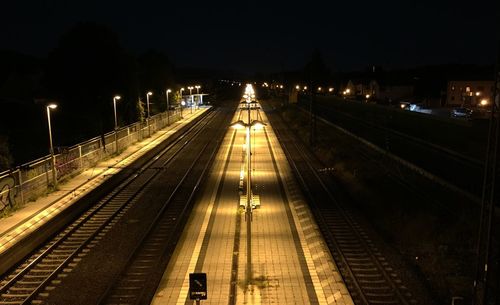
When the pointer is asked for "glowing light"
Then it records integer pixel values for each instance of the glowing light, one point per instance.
(478, 93)
(484, 102)
(150, 93)
(52, 106)
(117, 97)
(367, 96)
(258, 126)
(297, 87)
(330, 89)
(347, 91)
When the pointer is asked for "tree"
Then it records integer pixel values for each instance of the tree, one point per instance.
(315, 71)
(155, 74)
(6, 159)
(84, 72)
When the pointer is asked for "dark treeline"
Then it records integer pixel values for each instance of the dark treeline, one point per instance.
(81, 74)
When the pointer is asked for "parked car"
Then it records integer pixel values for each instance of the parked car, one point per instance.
(461, 112)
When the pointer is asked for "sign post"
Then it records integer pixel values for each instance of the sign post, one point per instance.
(197, 287)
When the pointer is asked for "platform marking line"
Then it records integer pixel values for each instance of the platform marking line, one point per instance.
(340, 293)
(307, 254)
(201, 236)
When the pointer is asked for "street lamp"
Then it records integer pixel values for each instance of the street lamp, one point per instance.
(53, 157)
(168, 107)
(147, 120)
(191, 95)
(182, 106)
(256, 124)
(182, 89)
(198, 93)
(115, 98)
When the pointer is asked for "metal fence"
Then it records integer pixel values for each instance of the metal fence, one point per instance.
(29, 181)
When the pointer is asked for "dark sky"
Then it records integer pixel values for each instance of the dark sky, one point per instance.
(262, 36)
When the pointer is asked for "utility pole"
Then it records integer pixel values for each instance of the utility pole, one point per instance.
(249, 199)
(485, 290)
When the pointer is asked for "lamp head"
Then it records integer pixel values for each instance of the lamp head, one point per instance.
(52, 106)
(150, 93)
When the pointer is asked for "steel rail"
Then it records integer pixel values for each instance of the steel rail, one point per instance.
(350, 227)
(67, 233)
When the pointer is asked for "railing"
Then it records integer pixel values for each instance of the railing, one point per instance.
(29, 181)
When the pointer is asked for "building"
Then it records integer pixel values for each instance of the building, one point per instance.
(469, 93)
(382, 90)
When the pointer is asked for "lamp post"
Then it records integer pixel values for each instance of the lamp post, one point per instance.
(191, 96)
(53, 157)
(198, 93)
(115, 98)
(168, 107)
(147, 120)
(249, 196)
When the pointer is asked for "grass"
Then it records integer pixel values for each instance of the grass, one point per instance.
(433, 229)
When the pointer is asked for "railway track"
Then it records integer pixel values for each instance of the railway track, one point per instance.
(138, 282)
(367, 273)
(30, 281)
(447, 164)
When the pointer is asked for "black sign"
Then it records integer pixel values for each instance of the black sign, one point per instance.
(198, 286)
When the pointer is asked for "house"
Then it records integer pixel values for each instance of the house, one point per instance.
(469, 93)
(380, 89)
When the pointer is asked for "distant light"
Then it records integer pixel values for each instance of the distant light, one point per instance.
(478, 93)
(297, 87)
(367, 96)
(402, 106)
(183, 103)
(150, 93)
(347, 91)
(330, 89)
(305, 87)
(117, 97)
(52, 106)
(484, 102)
(168, 90)
(319, 88)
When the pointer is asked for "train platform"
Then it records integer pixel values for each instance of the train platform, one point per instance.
(34, 214)
(285, 261)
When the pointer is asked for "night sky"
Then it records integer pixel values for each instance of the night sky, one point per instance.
(270, 36)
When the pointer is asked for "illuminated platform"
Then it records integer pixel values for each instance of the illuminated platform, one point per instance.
(290, 263)
(20, 223)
